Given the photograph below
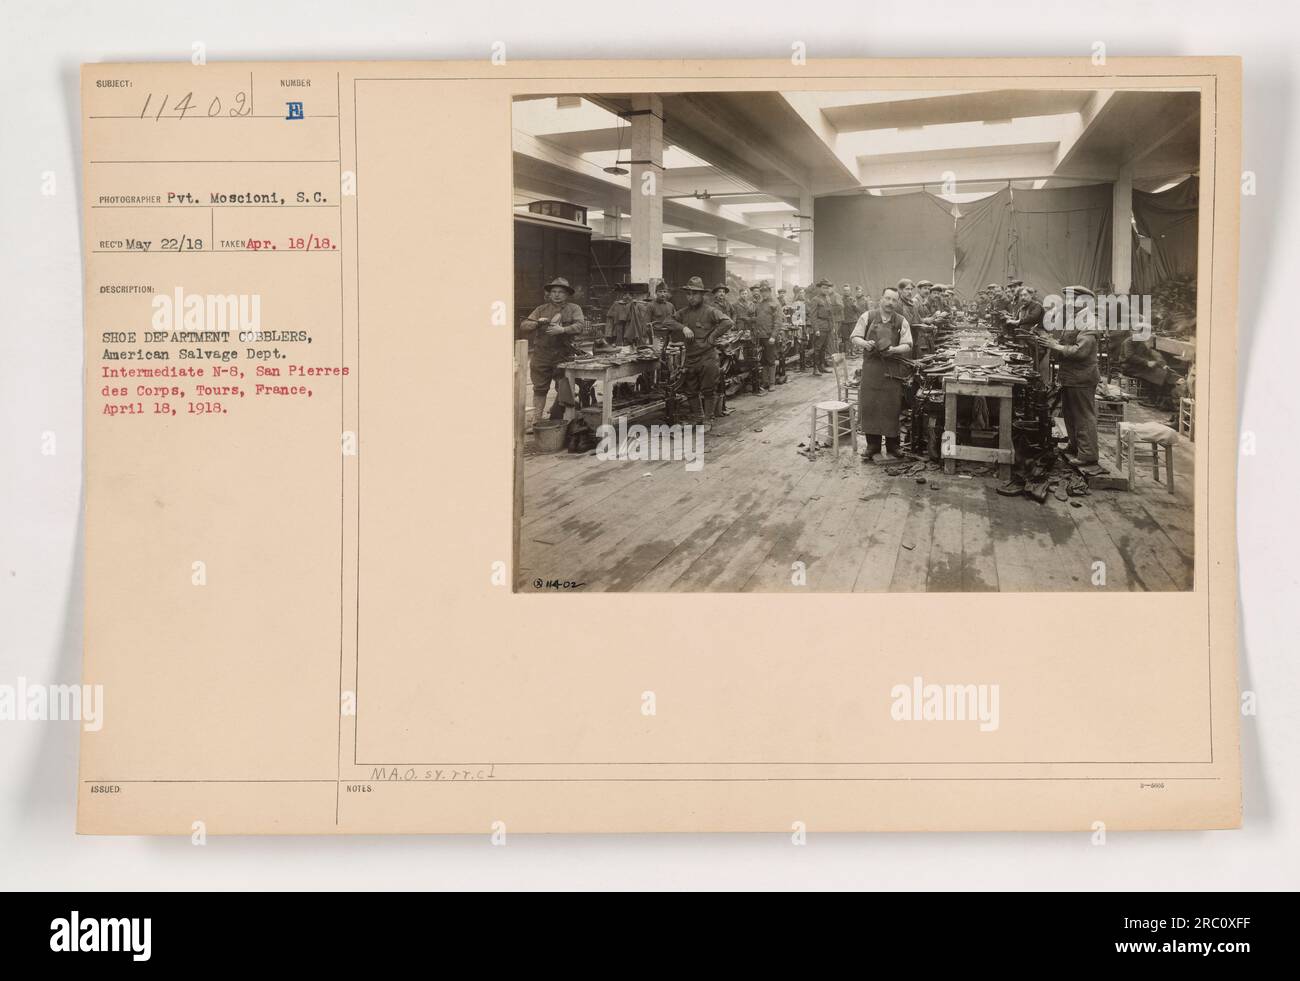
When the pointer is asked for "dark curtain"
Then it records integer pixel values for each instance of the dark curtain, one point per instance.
(1062, 237)
(984, 236)
(876, 240)
(1144, 271)
(1169, 219)
(1050, 238)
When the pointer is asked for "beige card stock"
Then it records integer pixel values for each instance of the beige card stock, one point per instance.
(301, 517)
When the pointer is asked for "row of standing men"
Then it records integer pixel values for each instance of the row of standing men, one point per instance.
(900, 324)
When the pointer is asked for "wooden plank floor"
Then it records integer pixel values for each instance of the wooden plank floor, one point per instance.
(759, 516)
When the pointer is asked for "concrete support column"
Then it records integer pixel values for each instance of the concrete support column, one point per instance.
(647, 188)
(722, 245)
(805, 237)
(612, 216)
(778, 275)
(1121, 235)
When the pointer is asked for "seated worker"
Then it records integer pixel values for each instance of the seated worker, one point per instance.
(1138, 359)
(879, 335)
(700, 323)
(1078, 374)
(550, 328)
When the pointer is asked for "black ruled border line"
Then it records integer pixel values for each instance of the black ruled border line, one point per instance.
(343, 473)
(623, 88)
(1197, 553)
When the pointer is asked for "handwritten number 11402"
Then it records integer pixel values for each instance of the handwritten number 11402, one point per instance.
(242, 106)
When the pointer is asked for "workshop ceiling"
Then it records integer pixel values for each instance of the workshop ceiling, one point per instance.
(736, 163)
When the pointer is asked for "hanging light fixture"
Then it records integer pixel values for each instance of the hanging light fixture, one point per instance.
(614, 168)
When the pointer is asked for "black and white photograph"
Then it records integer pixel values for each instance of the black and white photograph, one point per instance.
(857, 341)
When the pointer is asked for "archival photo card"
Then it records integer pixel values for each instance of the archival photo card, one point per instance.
(660, 446)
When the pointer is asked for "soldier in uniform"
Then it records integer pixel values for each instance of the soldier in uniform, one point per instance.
(768, 323)
(700, 323)
(823, 320)
(661, 308)
(550, 328)
(720, 300)
(743, 312)
(849, 314)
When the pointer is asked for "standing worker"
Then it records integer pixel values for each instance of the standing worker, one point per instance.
(661, 307)
(881, 334)
(720, 300)
(823, 319)
(744, 311)
(549, 329)
(849, 314)
(1078, 375)
(768, 321)
(699, 323)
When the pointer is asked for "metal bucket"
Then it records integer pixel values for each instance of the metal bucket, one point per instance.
(549, 434)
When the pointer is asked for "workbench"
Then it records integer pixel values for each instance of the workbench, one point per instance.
(1182, 350)
(1004, 455)
(606, 371)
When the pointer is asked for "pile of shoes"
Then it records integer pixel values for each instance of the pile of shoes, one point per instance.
(1048, 475)
(906, 468)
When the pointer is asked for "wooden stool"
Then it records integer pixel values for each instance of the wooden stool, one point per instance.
(1110, 414)
(841, 419)
(843, 386)
(1134, 386)
(1187, 418)
(1124, 440)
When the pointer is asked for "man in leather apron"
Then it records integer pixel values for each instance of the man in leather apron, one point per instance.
(880, 334)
